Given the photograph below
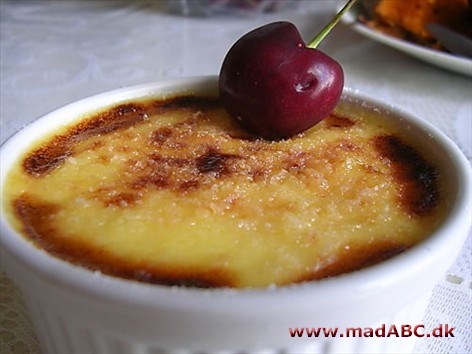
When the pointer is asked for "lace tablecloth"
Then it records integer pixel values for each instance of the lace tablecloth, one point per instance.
(56, 52)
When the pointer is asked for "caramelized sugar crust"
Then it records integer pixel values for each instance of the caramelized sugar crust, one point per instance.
(416, 178)
(52, 154)
(174, 192)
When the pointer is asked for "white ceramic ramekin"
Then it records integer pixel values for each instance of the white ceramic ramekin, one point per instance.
(79, 311)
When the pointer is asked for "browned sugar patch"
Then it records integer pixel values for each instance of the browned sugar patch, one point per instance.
(38, 223)
(52, 154)
(417, 179)
(337, 121)
(187, 101)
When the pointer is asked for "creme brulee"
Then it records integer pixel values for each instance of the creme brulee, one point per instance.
(174, 192)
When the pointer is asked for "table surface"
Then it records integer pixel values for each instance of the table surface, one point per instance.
(56, 52)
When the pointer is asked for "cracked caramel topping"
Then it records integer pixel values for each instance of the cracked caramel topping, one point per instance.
(174, 192)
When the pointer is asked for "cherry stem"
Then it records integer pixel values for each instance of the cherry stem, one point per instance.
(324, 32)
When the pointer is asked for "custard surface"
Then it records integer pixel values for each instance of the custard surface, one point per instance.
(174, 192)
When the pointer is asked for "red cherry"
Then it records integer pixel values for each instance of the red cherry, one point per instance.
(275, 85)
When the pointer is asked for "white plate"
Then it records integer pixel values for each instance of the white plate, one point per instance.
(444, 60)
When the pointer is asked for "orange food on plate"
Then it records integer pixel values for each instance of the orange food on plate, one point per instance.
(409, 19)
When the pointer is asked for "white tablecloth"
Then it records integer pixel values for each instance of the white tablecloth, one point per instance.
(56, 52)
